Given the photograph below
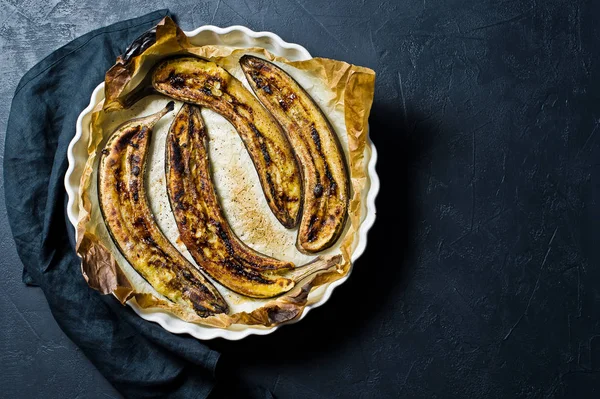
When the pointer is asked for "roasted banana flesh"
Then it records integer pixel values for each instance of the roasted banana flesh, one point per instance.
(203, 228)
(202, 82)
(131, 224)
(324, 171)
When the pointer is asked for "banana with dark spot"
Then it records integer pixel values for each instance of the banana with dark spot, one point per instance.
(324, 171)
(131, 224)
(202, 82)
(201, 223)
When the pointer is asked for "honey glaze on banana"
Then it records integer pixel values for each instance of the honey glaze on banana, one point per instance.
(204, 230)
(326, 183)
(132, 226)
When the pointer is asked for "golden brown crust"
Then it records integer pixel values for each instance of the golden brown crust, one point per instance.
(324, 171)
(201, 224)
(131, 224)
(205, 83)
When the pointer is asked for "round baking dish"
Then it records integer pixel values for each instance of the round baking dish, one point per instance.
(235, 36)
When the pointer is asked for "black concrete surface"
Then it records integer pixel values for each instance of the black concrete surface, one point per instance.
(482, 274)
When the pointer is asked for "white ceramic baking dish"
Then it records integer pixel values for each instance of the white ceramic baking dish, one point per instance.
(235, 36)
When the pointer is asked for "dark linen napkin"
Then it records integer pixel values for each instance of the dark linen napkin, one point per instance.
(139, 358)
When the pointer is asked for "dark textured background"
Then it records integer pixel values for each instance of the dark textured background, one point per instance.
(482, 274)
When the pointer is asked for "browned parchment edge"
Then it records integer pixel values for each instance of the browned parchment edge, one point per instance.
(353, 86)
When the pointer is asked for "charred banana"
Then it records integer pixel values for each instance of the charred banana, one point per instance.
(202, 227)
(325, 176)
(132, 226)
(202, 82)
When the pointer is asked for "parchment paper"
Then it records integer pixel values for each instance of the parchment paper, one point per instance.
(345, 94)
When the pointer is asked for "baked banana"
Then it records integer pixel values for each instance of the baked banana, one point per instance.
(132, 226)
(325, 175)
(198, 81)
(202, 227)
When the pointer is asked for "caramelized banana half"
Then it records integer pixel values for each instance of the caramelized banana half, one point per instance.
(131, 224)
(203, 228)
(202, 82)
(325, 175)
